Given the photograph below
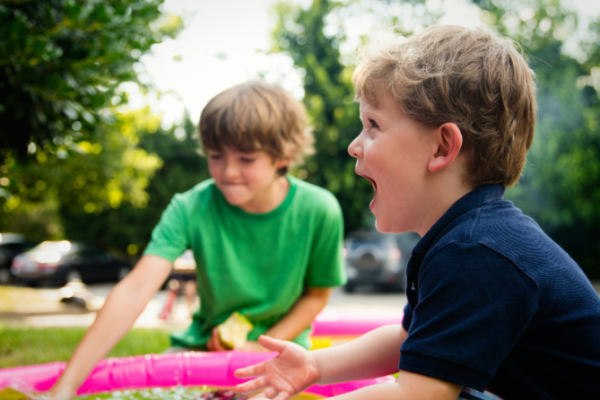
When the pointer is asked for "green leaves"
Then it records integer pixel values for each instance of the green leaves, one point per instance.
(61, 61)
(68, 152)
(329, 100)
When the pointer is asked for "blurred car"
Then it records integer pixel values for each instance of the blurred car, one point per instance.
(64, 261)
(181, 280)
(184, 267)
(378, 259)
(11, 244)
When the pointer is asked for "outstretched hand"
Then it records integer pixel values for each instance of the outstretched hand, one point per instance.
(292, 371)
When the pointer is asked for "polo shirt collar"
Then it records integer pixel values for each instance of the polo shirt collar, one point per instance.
(472, 200)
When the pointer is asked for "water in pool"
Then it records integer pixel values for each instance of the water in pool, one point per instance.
(179, 393)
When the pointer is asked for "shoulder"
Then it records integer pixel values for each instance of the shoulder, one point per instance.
(315, 198)
(200, 194)
(501, 231)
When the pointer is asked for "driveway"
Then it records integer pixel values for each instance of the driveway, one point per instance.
(40, 307)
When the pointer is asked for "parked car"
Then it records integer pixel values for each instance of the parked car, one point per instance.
(11, 244)
(64, 261)
(184, 267)
(378, 259)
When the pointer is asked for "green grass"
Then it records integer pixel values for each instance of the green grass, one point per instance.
(28, 346)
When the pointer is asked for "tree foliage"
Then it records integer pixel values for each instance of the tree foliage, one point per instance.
(70, 153)
(127, 228)
(61, 62)
(329, 99)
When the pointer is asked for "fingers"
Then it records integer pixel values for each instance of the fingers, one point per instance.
(269, 393)
(272, 344)
(253, 385)
(253, 370)
(210, 345)
(214, 343)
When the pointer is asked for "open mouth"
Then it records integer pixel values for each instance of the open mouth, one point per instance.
(372, 204)
(372, 182)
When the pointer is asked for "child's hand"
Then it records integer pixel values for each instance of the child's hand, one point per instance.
(56, 394)
(214, 343)
(292, 371)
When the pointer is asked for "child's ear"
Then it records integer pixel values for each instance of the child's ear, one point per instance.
(448, 140)
(283, 163)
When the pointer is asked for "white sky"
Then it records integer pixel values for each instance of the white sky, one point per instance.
(223, 44)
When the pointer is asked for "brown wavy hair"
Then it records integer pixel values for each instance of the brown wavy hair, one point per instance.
(466, 76)
(257, 116)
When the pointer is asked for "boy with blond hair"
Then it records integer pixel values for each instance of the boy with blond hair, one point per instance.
(266, 244)
(495, 307)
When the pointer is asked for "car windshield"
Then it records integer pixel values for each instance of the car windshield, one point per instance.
(62, 247)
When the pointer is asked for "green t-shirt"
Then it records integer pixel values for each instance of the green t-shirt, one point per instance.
(256, 264)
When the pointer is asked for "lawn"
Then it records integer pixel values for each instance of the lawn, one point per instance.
(27, 346)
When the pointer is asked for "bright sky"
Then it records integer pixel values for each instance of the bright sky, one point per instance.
(224, 41)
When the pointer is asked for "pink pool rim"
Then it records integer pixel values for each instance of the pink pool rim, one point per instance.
(183, 369)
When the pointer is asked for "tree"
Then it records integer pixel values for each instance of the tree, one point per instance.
(127, 228)
(61, 62)
(69, 151)
(329, 99)
(85, 177)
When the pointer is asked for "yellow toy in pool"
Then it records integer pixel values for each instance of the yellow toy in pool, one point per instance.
(234, 331)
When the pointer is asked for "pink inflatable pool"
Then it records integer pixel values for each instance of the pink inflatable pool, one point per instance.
(184, 369)
(351, 323)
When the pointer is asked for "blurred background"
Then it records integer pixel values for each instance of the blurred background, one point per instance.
(99, 103)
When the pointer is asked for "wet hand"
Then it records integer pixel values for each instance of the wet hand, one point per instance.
(292, 371)
(56, 394)
(214, 343)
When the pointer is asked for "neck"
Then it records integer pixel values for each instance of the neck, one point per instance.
(270, 198)
(448, 193)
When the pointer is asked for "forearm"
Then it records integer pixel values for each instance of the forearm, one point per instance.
(374, 354)
(122, 307)
(408, 387)
(301, 315)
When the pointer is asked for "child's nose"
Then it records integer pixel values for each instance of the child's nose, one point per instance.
(230, 170)
(355, 149)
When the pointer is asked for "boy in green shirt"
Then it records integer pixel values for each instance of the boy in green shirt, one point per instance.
(266, 245)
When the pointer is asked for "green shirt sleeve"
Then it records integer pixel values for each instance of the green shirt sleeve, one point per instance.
(169, 237)
(326, 264)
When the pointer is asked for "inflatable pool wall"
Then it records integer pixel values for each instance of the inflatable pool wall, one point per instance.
(183, 369)
(331, 328)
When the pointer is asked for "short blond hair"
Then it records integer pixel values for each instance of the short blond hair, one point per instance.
(257, 116)
(466, 76)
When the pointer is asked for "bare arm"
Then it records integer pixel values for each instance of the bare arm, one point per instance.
(409, 386)
(124, 304)
(376, 352)
(372, 355)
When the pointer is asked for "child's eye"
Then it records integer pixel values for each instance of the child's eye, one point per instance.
(373, 124)
(214, 156)
(247, 160)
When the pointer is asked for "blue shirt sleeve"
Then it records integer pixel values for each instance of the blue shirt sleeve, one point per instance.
(473, 307)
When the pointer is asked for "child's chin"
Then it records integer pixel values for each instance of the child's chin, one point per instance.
(383, 227)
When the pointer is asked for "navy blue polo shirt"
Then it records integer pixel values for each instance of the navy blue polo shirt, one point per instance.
(494, 303)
